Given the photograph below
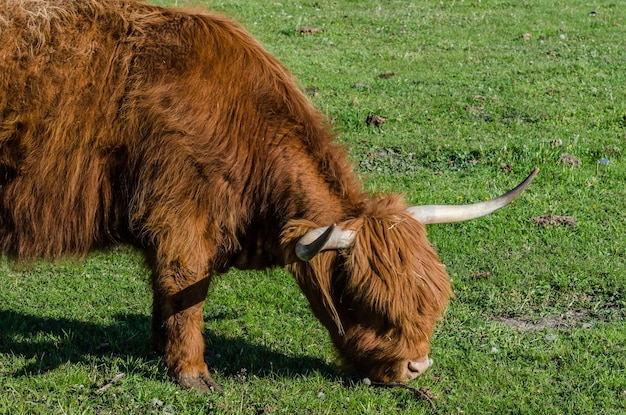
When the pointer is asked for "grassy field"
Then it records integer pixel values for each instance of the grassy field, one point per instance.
(474, 96)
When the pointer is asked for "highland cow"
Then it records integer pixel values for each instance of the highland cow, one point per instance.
(176, 132)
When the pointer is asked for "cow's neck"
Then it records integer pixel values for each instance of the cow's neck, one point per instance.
(298, 184)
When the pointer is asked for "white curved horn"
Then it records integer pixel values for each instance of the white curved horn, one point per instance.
(323, 239)
(429, 214)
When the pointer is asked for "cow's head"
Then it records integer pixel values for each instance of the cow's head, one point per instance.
(376, 282)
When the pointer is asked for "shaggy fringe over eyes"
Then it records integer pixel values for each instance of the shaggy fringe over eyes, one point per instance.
(392, 269)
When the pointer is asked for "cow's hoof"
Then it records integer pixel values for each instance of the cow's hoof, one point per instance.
(203, 383)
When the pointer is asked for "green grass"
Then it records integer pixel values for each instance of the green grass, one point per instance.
(472, 108)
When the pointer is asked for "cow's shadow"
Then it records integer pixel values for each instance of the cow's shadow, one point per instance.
(47, 343)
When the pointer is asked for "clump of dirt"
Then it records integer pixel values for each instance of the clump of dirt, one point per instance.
(569, 319)
(482, 275)
(570, 160)
(312, 90)
(360, 85)
(309, 30)
(377, 120)
(550, 219)
(387, 75)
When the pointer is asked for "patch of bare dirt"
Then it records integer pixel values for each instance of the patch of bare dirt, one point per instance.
(567, 320)
(579, 318)
(478, 112)
(550, 219)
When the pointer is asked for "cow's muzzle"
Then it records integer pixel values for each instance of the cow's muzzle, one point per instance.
(417, 368)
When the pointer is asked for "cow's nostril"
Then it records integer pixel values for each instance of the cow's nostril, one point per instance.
(418, 367)
(415, 367)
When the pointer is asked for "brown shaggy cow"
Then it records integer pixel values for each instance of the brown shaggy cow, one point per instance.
(178, 133)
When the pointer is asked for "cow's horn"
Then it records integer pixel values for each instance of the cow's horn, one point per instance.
(429, 214)
(322, 239)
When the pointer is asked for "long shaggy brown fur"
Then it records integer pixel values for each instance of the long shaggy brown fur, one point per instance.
(177, 132)
(106, 105)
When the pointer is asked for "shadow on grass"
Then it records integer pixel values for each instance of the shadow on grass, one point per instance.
(47, 343)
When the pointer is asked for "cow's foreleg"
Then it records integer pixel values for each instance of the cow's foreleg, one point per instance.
(158, 326)
(177, 325)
